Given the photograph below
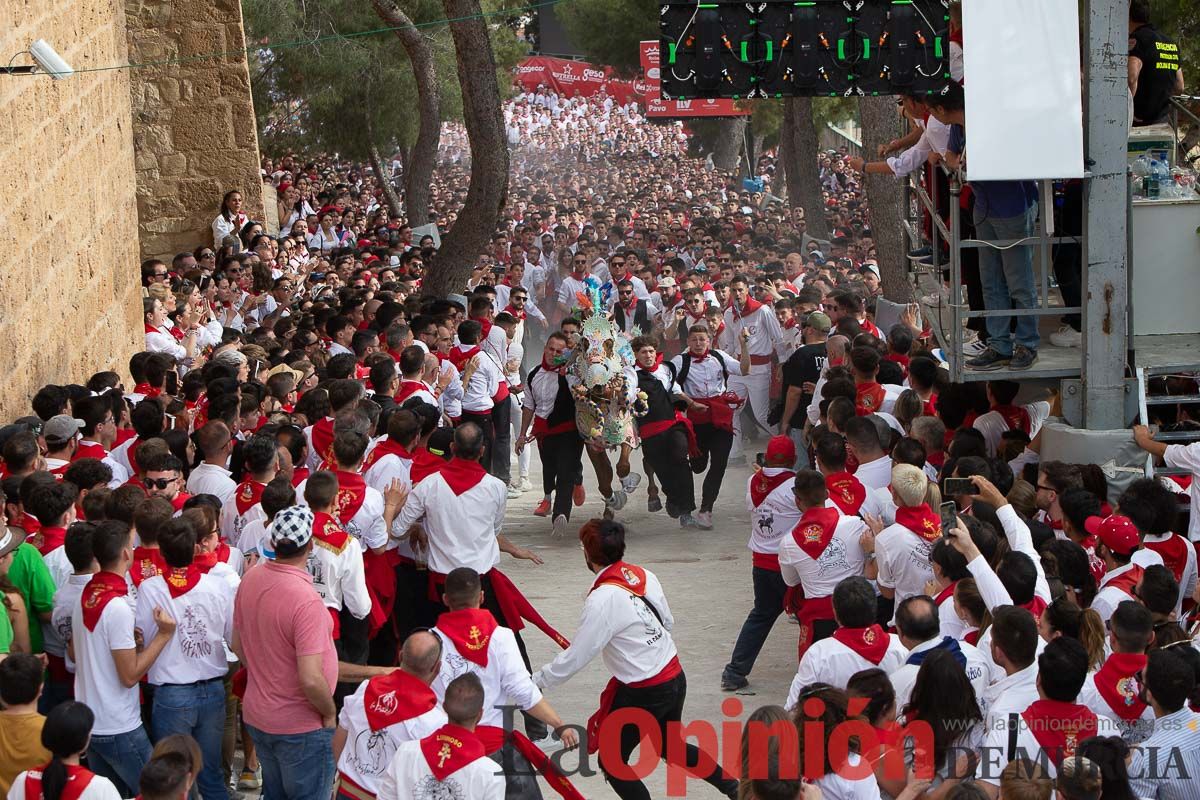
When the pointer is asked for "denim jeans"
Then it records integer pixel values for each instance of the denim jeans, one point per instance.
(120, 758)
(769, 590)
(295, 766)
(198, 710)
(1007, 277)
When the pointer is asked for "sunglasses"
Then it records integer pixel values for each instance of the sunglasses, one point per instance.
(159, 483)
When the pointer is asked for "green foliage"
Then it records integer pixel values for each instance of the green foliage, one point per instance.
(1179, 20)
(608, 31)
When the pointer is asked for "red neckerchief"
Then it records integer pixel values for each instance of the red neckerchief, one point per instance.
(182, 580)
(52, 539)
(147, 390)
(102, 588)
(486, 324)
(407, 389)
(814, 531)
(322, 438)
(1174, 552)
(1015, 417)
(147, 562)
(846, 492)
(387, 447)
(671, 302)
(424, 464)
(459, 357)
(698, 358)
(898, 358)
(173, 332)
(394, 698)
(248, 494)
(936, 459)
(555, 368)
(471, 631)
(521, 315)
(89, 450)
(868, 398)
(579, 276)
(1035, 606)
(749, 308)
(462, 475)
(1117, 683)
(206, 561)
(871, 642)
(179, 499)
(791, 323)
(761, 485)
(946, 593)
(921, 520)
(327, 531)
(449, 749)
(658, 360)
(1126, 581)
(78, 779)
(352, 491)
(1059, 727)
(930, 407)
(299, 476)
(629, 577)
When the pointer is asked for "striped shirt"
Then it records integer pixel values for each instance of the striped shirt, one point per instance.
(1167, 765)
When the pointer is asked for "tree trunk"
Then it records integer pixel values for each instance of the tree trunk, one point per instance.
(489, 150)
(728, 147)
(885, 200)
(418, 168)
(384, 176)
(798, 151)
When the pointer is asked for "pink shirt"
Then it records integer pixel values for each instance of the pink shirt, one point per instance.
(278, 616)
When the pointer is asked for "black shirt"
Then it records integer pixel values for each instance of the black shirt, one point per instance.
(804, 366)
(1160, 65)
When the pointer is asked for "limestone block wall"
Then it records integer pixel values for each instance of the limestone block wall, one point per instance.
(69, 287)
(193, 121)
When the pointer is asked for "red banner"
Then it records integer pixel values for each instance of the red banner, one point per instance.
(656, 106)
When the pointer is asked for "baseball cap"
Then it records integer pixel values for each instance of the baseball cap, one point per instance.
(293, 524)
(868, 267)
(781, 447)
(666, 283)
(819, 321)
(1117, 532)
(10, 539)
(61, 429)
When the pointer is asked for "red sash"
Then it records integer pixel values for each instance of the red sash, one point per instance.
(717, 411)
(352, 491)
(921, 520)
(379, 571)
(100, 590)
(1059, 727)
(328, 534)
(761, 485)
(424, 464)
(462, 475)
(493, 739)
(1117, 683)
(871, 642)
(810, 610)
(652, 429)
(1174, 551)
(515, 607)
(449, 749)
(814, 530)
(387, 447)
(394, 698)
(181, 581)
(1126, 581)
(147, 562)
(596, 721)
(542, 428)
(846, 492)
(1016, 417)
(868, 398)
(470, 629)
(322, 439)
(78, 779)
(249, 494)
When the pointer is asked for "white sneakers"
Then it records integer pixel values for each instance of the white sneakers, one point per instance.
(560, 525)
(1066, 336)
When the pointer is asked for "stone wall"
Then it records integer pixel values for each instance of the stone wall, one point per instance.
(69, 297)
(193, 122)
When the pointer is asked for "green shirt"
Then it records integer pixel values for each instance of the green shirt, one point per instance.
(31, 577)
(6, 632)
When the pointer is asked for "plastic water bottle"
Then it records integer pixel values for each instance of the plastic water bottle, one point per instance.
(1152, 185)
(1140, 169)
(1162, 180)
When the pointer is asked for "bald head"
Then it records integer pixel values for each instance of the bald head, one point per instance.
(421, 656)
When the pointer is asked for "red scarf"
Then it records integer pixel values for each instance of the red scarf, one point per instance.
(751, 306)
(462, 475)
(930, 409)
(459, 357)
(89, 450)
(1035, 606)
(179, 499)
(629, 577)
(761, 485)
(945, 594)
(407, 389)
(248, 495)
(486, 324)
(921, 520)
(387, 447)
(299, 476)
(1016, 417)
(579, 276)
(52, 539)
(871, 642)
(520, 315)
(181, 581)
(147, 390)
(449, 749)
(394, 698)
(470, 629)
(206, 561)
(102, 588)
(352, 491)
(814, 530)
(868, 398)
(1174, 552)
(1117, 683)
(1126, 581)
(494, 738)
(78, 779)
(174, 332)
(698, 358)
(1059, 727)
(424, 464)
(147, 562)
(327, 532)
(846, 492)
(322, 439)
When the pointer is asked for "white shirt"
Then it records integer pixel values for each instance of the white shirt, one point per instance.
(1187, 580)
(461, 528)
(842, 558)
(485, 382)
(875, 474)
(904, 677)
(505, 679)
(541, 392)
(775, 517)
(59, 565)
(161, 341)
(1187, 456)
(934, 138)
(205, 622)
(765, 332)
(366, 525)
(1133, 732)
(120, 473)
(568, 289)
(997, 736)
(830, 661)
(118, 709)
(381, 474)
(992, 425)
(210, 479)
(1008, 694)
(367, 753)
(339, 578)
(903, 559)
(59, 629)
(408, 777)
(836, 787)
(618, 625)
(1109, 595)
(98, 788)
(706, 378)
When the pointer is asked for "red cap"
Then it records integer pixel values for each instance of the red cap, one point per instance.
(781, 448)
(1117, 532)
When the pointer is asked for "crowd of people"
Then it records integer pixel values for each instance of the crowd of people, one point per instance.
(285, 529)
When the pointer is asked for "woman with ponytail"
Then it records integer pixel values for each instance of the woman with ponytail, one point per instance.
(66, 734)
(1064, 618)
